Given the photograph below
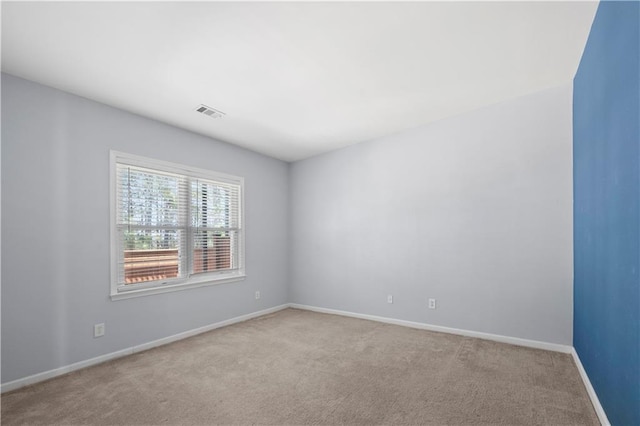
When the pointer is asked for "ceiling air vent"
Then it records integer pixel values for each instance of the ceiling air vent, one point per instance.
(211, 112)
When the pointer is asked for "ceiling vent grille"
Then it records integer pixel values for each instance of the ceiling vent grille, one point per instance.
(210, 112)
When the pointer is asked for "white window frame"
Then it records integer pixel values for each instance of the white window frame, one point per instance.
(119, 291)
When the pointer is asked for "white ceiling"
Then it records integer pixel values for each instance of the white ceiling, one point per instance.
(296, 79)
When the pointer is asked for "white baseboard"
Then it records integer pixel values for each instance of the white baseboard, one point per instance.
(424, 326)
(200, 330)
(495, 337)
(45, 375)
(602, 416)
(39, 377)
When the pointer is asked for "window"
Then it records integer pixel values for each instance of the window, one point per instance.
(173, 227)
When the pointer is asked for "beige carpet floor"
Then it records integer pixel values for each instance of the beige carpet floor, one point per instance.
(299, 367)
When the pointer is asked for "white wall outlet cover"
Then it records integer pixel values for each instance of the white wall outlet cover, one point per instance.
(257, 295)
(98, 330)
(389, 299)
(432, 303)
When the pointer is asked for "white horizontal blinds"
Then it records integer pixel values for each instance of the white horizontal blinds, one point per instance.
(151, 218)
(215, 221)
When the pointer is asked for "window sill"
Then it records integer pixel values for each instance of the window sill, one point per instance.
(167, 288)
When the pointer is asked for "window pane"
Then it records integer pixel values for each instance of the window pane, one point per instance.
(214, 250)
(214, 218)
(214, 205)
(151, 254)
(149, 219)
(147, 198)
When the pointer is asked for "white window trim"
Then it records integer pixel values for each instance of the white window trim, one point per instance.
(146, 289)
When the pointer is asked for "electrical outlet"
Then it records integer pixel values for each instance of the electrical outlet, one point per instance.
(389, 298)
(98, 330)
(257, 295)
(432, 303)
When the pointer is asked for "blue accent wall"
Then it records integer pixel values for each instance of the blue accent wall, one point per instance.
(606, 210)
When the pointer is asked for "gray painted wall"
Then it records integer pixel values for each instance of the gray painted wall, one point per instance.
(55, 223)
(475, 211)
